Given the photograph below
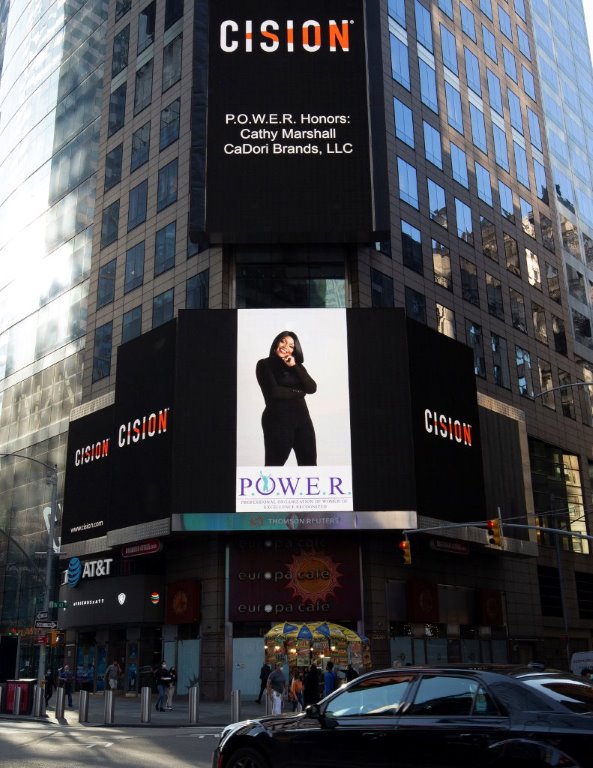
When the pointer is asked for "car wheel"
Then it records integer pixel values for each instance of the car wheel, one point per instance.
(244, 757)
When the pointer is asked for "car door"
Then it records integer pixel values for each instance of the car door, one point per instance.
(451, 722)
(355, 727)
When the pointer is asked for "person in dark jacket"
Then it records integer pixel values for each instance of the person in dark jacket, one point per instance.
(163, 678)
(263, 679)
(49, 686)
(286, 422)
(66, 681)
(171, 688)
(311, 686)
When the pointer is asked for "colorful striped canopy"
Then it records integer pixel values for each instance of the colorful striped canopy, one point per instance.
(314, 630)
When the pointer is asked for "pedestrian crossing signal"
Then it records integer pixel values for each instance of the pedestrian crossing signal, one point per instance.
(404, 547)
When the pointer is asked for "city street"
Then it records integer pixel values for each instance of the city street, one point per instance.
(35, 745)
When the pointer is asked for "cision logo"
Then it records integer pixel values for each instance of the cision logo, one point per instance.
(270, 36)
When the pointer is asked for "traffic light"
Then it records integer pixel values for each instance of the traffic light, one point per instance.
(494, 532)
(56, 637)
(404, 547)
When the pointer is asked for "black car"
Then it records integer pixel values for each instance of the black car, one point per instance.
(418, 717)
(575, 693)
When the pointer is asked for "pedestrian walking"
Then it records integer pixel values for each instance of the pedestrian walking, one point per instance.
(171, 688)
(276, 687)
(311, 686)
(263, 679)
(112, 674)
(163, 679)
(66, 680)
(49, 686)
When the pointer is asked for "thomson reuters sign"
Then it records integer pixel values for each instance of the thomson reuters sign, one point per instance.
(270, 36)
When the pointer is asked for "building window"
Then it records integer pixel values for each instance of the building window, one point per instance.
(539, 323)
(465, 228)
(131, 324)
(454, 111)
(489, 44)
(520, 9)
(501, 150)
(472, 72)
(173, 12)
(167, 185)
(475, 340)
(415, 304)
(553, 282)
(412, 247)
(109, 224)
(404, 122)
(432, 145)
(524, 377)
(494, 92)
(523, 40)
(121, 45)
(164, 249)
(445, 320)
(527, 220)
(494, 296)
(510, 63)
(113, 167)
(437, 206)
(137, 205)
(528, 82)
(507, 207)
(449, 50)
(397, 11)
(469, 282)
(468, 24)
(408, 186)
(106, 284)
(134, 267)
(423, 26)
(446, 6)
(546, 384)
(541, 185)
(500, 361)
(559, 334)
(400, 68)
(515, 111)
(459, 165)
(121, 8)
(483, 184)
(172, 62)
(140, 147)
(504, 22)
(117, 109)
(102, 351)
(488, 234)
(582, 329)
(534, 275)
(146, 21)
(381, 289)
(441, 264)
(143, 92)
(478, 127)
(162, 308)
(428, 86)
(196, 291)
(518, 317)
(169, 124)
(521, 164)
(566, 395)
(535, 134)
(548, 233)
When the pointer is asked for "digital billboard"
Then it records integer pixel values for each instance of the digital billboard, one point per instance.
(288, 420)
(282, 146)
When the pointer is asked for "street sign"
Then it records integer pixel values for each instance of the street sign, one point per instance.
(41, 640)
(58, 604)
(46, 625)
(42, 615)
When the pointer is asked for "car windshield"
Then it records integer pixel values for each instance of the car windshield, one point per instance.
(382, 695)
(575, 695)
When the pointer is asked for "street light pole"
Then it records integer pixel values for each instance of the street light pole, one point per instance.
(52, 479)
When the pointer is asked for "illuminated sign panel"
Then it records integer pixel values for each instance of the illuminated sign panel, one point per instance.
(286, 420)
(286, 154)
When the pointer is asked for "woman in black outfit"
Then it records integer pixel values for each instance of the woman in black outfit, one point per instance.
(284, 383)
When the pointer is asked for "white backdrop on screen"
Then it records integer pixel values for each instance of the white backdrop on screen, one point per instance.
(322, 333)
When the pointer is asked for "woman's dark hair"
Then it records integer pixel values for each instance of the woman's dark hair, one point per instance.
(297, 352)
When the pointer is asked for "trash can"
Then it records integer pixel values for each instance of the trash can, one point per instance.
(26, 686)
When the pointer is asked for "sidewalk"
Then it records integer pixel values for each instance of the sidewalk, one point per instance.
(127, 712)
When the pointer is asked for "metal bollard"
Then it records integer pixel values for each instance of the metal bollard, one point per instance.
(60, 696)
(235, 706)
(16, 704)
(83, 707)
(194, 703)
(38, 701)
(109, 707)
(145, 704)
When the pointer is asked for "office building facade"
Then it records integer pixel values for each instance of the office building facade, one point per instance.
(170, 202)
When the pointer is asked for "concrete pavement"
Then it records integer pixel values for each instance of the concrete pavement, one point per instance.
(127, 712)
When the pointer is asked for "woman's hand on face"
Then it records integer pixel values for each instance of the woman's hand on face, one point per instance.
(290, 361)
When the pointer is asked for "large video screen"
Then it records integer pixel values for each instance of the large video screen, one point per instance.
(286, 152)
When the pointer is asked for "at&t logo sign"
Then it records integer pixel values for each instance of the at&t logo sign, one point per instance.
(78, 570)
